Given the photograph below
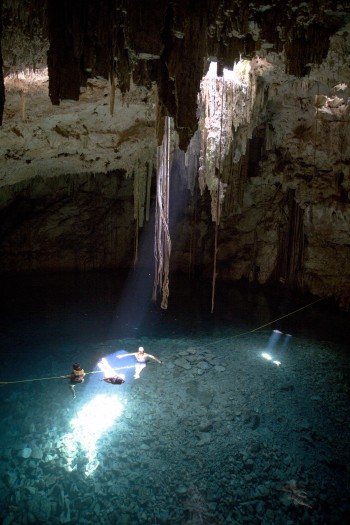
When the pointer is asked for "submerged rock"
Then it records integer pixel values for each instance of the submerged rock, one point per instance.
(182, 363)
(37, 453)
(26, 452)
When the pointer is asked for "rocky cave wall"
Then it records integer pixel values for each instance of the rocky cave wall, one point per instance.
(68, 170)
(66, 222)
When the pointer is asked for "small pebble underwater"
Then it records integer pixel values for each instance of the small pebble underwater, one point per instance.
(245, 420)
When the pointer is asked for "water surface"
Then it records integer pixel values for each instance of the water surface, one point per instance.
(239, 424)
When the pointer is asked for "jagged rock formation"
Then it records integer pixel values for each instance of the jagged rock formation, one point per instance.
(78, 142)
(167, 42)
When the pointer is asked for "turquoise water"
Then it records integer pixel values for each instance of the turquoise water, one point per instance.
(238, 425)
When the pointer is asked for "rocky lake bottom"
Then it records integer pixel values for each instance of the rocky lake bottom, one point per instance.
(238, 425)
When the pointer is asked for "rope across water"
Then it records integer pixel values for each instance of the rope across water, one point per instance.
(213, 342)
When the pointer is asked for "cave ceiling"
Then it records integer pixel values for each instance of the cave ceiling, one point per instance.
(151, 54)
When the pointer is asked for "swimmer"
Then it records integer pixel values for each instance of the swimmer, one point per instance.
(76, 376)
(115, 380)
(141, 357)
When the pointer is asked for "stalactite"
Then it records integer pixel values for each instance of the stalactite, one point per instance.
(291, 243)
(141, 193)
(192, 235)
(112, 94)
(148, 191)
(217, 213)
(162, 244)
(2, 85)
(192, 161)
(136, 215)
(237, 177)
(82, 48)
(23, 105)
(142, 181)
(215, 252)
(230, 109)
(296, 243)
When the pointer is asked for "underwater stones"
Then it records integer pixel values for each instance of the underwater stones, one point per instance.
(219, 368)
(10, 479)
(192, 358)
(182, 363)
(40, 509)
(32, 490)
(203, 365)
(184, 352)
(205, 398)
(198, 362)
(287, 387)
(26, 452)
(303, 426)
(37, 453)
(65, 516)
(249, 465)
(181, 489)
(50, 457)
(50, 480)
(205, 439)
(205, 426)
(252, 420)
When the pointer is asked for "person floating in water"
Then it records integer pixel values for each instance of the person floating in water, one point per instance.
(76, 377)
(110, 375)
(115, 380)
(141, 357)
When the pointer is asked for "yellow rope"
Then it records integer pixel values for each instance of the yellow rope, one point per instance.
(214, 342)
(44, 378)
(267, 324)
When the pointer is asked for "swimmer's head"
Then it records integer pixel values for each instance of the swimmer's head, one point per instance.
(141, 349)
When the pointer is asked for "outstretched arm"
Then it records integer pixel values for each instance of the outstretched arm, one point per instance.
(126, 355)
(155, 358)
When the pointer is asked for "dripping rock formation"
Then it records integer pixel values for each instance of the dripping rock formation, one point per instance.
(259, 99)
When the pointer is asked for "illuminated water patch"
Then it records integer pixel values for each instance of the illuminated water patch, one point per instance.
(105, 404)
(91, 422)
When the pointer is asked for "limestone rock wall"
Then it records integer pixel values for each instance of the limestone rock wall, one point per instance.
(286, 216)
(68, 222)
